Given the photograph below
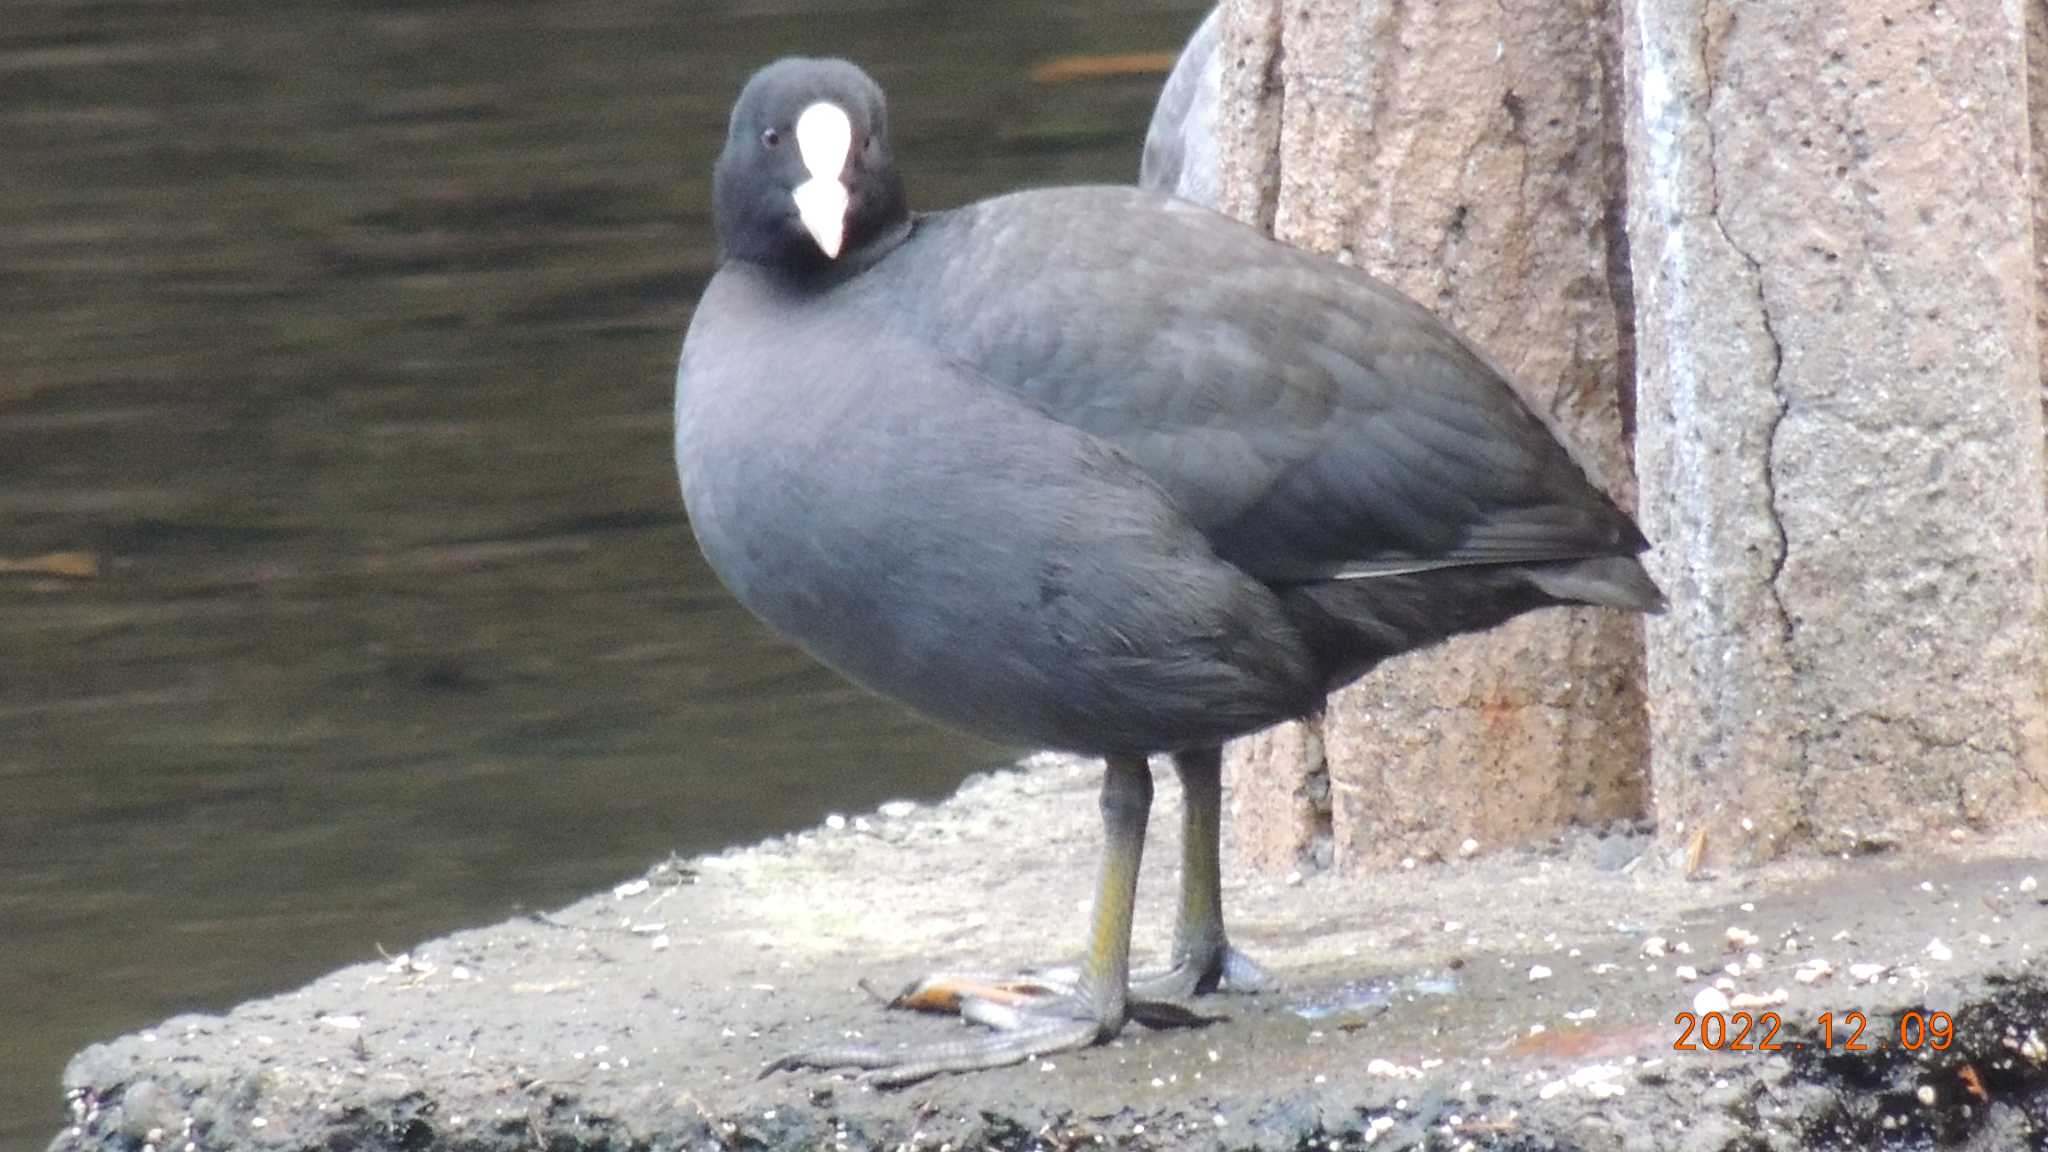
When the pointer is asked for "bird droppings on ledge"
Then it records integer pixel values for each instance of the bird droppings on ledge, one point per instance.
(1387, 1030)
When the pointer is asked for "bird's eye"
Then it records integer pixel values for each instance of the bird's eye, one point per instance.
(770, 138)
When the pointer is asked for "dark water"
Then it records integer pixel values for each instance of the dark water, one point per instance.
(336, 347)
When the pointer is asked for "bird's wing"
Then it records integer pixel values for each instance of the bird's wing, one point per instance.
(1313, 423)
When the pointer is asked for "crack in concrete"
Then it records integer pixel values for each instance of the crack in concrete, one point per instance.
(1273, 175)
(1788, 629)
(1317, 793)
(1619, 268)
(2040, 782)
(1804, 798)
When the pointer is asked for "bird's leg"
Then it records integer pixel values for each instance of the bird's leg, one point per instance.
(1202, 959)
(1092, 1010)
(1202, 956)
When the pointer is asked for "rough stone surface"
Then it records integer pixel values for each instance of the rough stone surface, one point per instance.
(2037, 123)
(1248, 122)
(1465, 154)
(1280, 804)
(1406, 1016)
(1840, 440)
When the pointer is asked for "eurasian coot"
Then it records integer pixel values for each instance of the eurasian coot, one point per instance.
(1094, 469)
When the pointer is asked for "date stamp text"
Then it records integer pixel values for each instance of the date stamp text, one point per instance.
(1834, 1032)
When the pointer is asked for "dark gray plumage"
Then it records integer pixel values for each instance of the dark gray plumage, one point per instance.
(1033, 474)
(1096, 469)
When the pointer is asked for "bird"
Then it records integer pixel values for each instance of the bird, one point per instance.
(1100, 470)
(1183, 152)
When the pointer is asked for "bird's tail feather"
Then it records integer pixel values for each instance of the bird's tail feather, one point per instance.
(1603, 581)
(1352, 625)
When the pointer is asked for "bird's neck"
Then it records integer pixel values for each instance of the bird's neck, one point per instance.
(814, 275)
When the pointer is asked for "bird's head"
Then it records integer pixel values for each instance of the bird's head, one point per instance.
(806, 177)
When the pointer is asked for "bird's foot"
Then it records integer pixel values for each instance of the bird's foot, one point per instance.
(1196, 971)
(1038, 1014)
(1220, 969)
(1032, 1016)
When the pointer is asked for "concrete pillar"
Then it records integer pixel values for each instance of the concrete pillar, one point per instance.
(2037, 122)
(1840, 433)
(1466, 153)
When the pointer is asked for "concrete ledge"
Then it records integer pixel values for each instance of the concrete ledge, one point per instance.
(1521, 1000)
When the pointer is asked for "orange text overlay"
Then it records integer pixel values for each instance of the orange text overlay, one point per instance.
(1831, 1031)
